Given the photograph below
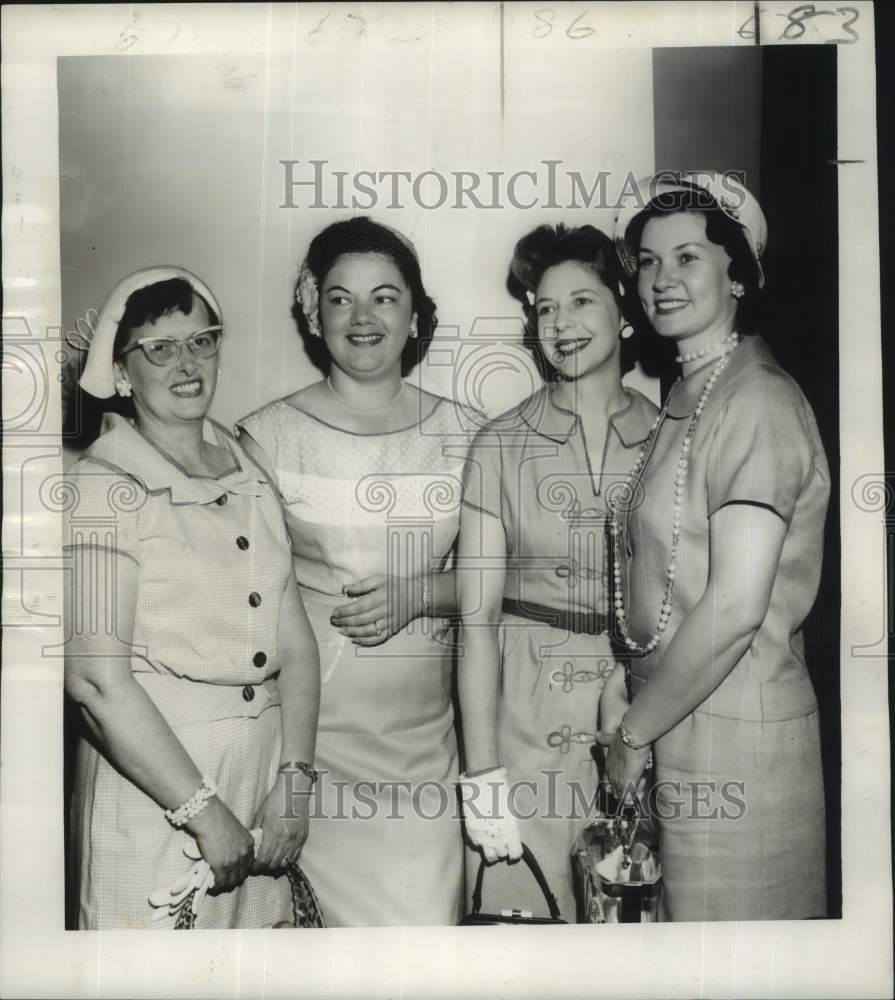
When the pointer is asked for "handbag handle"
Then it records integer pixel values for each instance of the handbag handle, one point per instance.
(539, 877)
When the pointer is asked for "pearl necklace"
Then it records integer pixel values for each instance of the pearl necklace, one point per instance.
(365, 409)
(730, 341)
(680, 481)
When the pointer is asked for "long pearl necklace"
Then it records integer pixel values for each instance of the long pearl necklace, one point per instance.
(726, 343)
(365, 409)
(680, 481)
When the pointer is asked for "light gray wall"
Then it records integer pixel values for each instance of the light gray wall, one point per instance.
(176, 160)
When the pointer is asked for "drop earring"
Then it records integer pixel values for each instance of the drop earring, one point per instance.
(122, 383)
(414, 332)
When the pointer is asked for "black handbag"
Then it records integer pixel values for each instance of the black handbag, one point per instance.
(477, 918)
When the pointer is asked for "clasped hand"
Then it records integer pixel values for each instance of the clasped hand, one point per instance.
(383, 604)
(228, 846)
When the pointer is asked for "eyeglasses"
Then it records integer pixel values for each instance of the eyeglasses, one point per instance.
(164, 351)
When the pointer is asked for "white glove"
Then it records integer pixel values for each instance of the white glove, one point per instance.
(167, 902)
(489, 822)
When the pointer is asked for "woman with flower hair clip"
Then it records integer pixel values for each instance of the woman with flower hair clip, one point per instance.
(369, 471)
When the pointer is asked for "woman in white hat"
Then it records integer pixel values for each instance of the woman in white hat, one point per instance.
(718, 558)
(188, 649)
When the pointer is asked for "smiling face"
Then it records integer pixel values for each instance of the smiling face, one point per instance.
(365, 312)
(578, 319)
(177, 392)
(682, 278)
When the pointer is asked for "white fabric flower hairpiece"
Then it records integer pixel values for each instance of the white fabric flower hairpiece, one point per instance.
(308, 296)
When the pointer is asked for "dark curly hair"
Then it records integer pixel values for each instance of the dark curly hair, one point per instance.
(149, 304)
(362, 235)
(547, 246)
(721, 230)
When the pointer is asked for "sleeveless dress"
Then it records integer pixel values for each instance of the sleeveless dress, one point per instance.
(530, 469)
(385, 845)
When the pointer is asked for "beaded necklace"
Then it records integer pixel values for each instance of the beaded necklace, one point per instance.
(357, 406)
(680, 481)
(729, 341)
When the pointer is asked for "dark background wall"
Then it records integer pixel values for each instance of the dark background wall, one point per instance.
(771, 112)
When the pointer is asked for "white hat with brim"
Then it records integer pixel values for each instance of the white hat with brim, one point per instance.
(709, 190)
(98, 377)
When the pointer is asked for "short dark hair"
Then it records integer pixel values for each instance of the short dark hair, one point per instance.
(149, 304)
(547, 246)
(361, 235)
(721, 230)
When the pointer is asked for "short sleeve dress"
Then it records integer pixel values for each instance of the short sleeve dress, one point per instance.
(530, 468)
(740, 800)
(213, 560)
(385, 847)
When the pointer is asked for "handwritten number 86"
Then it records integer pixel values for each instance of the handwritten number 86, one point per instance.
(546, 16)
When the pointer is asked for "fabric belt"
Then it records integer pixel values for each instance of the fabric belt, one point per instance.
(590, 622)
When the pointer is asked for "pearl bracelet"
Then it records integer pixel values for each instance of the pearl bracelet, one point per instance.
(193, 805)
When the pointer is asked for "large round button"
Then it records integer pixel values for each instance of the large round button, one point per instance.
(259, 659)
(248, 692)
(242, 542)
(254, 599)
(221, 500)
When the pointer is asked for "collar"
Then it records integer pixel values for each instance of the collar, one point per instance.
(549, 418)
(121, 448)
(685, 393)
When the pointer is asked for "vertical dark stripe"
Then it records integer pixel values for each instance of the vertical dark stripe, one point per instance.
(756, 7)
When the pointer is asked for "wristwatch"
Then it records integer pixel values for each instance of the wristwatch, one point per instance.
(300, 765)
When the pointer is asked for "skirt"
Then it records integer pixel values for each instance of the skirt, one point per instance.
(385, 846)
(123, 848)
(547, 723)
(740, 811)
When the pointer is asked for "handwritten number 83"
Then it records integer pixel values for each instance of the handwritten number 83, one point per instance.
(799, 16)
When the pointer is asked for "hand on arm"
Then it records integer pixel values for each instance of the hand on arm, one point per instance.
(383, 604)
(283, 816)
(745, 543)
(132, 732)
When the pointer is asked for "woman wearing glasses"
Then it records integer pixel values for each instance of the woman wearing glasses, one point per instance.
(189, 652)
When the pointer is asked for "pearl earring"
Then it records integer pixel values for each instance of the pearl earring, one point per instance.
(737, 290)
(626, 332)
